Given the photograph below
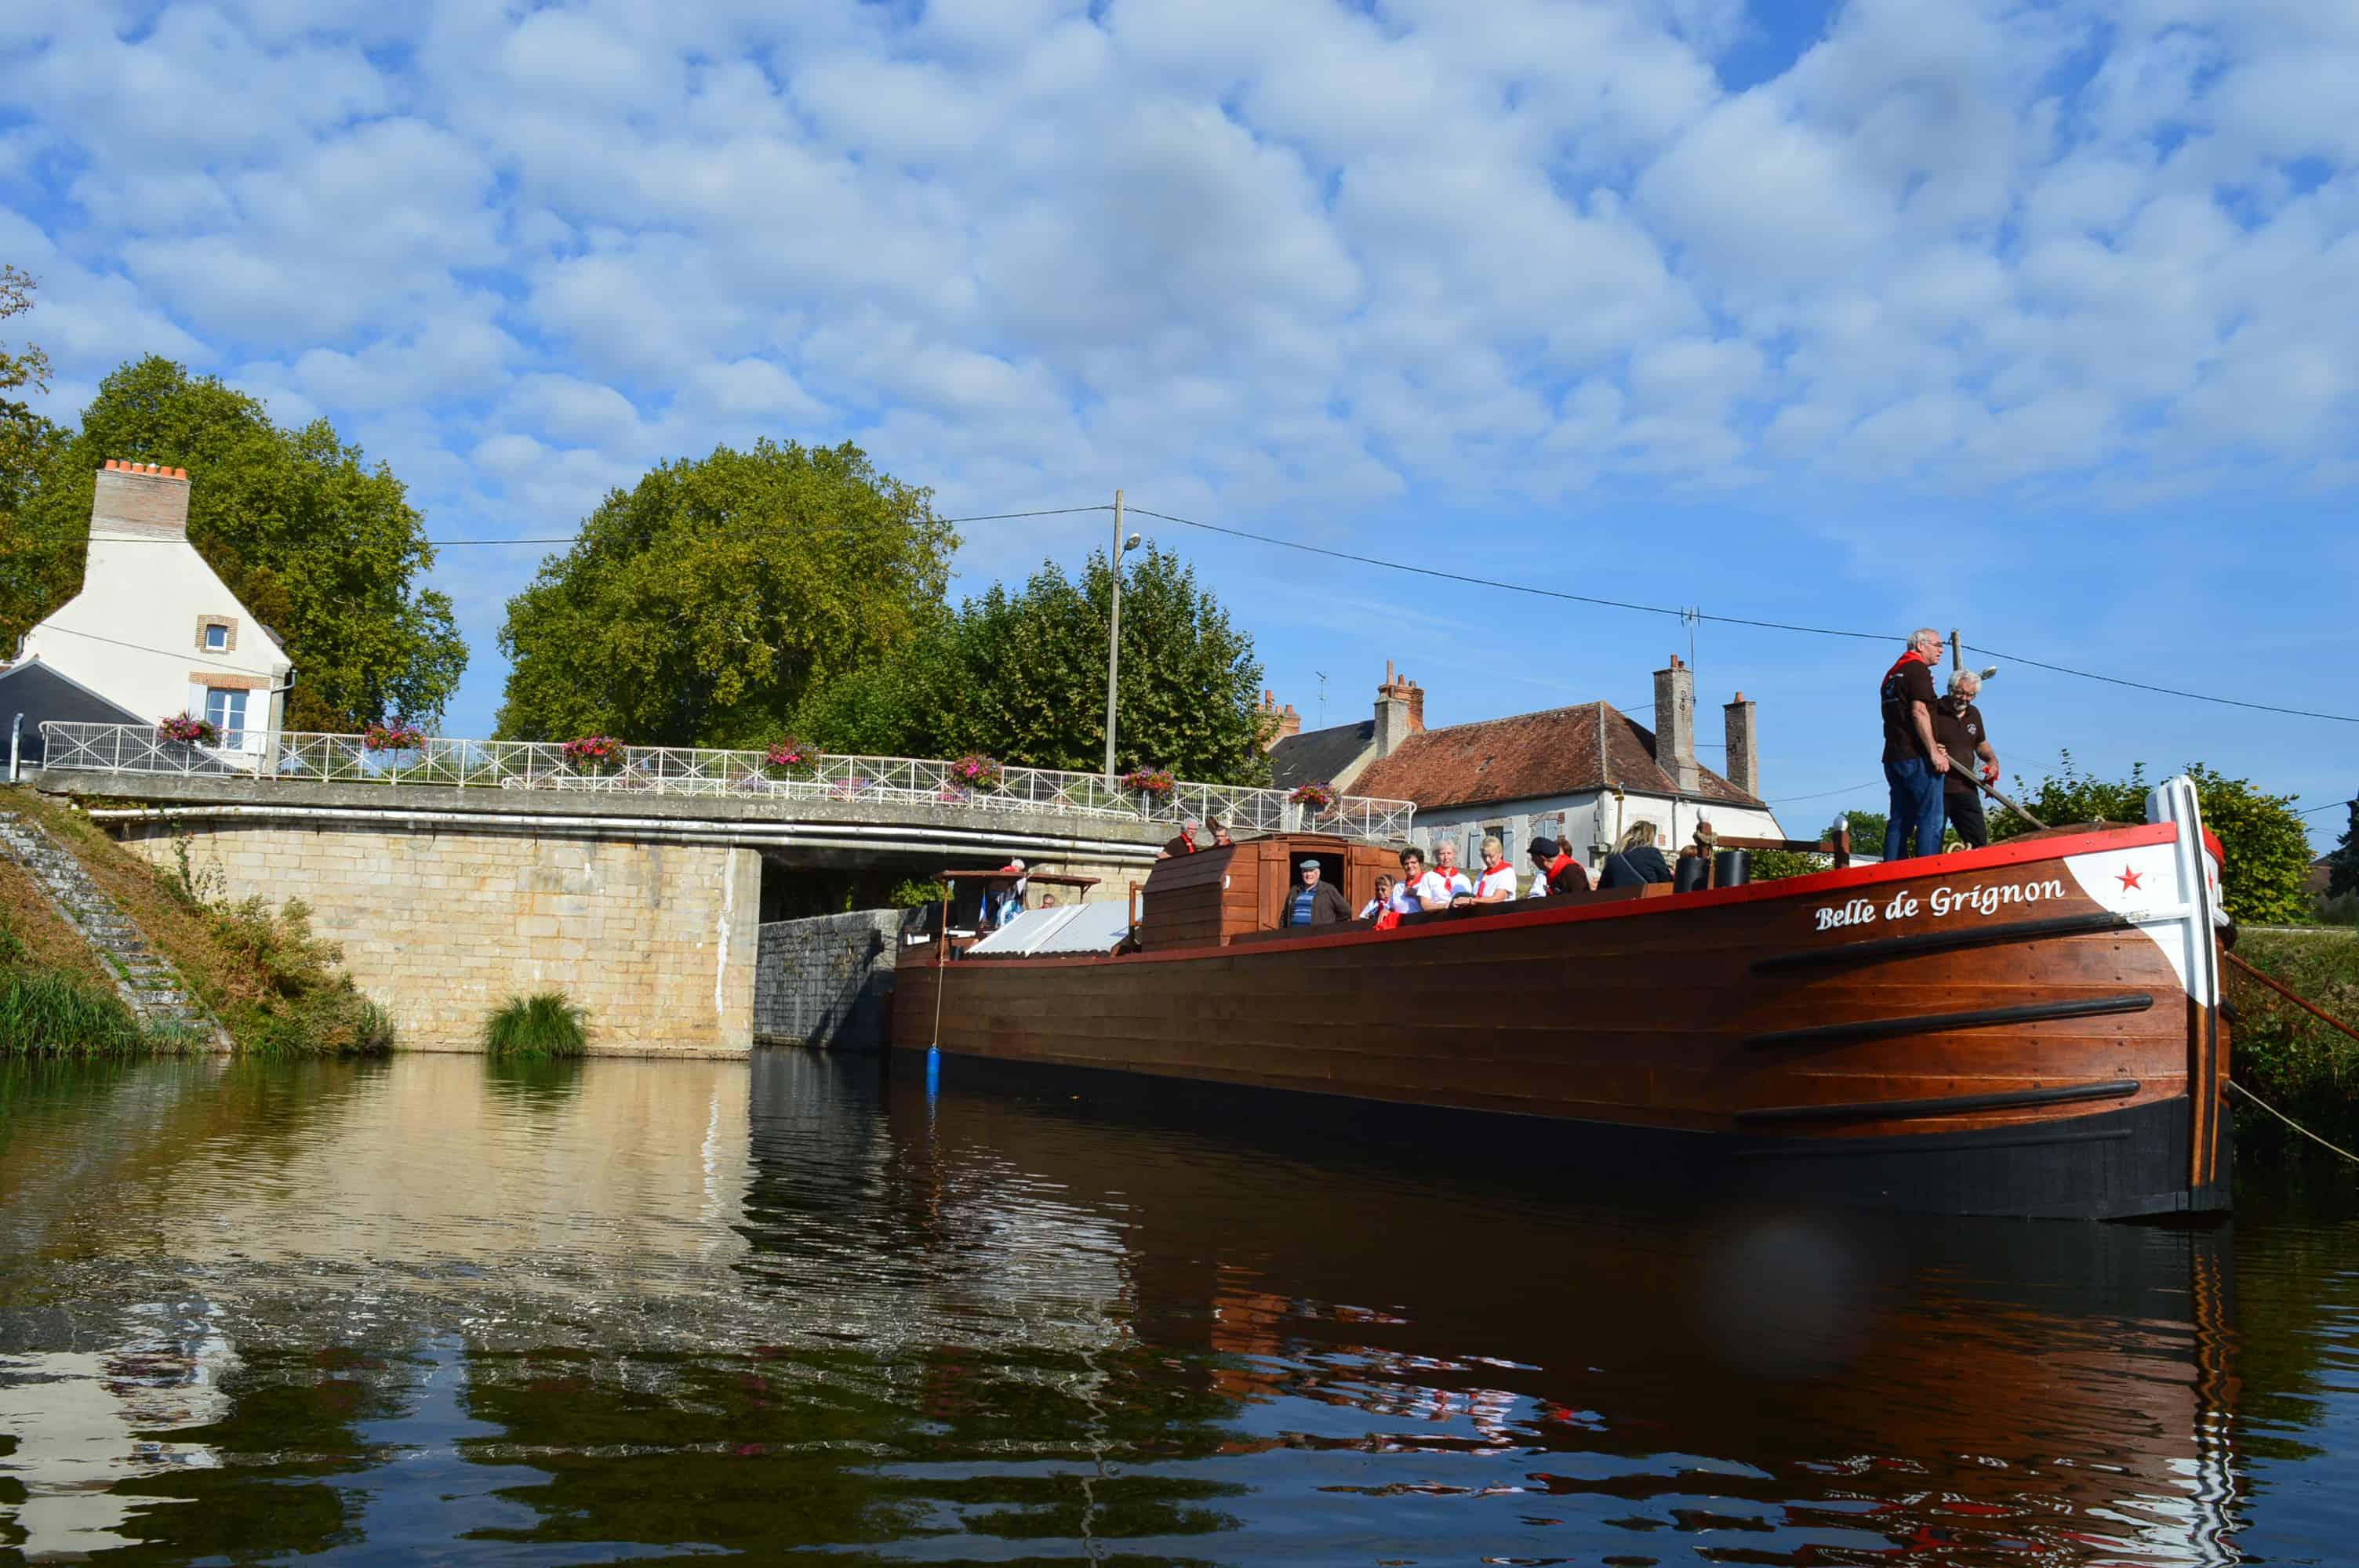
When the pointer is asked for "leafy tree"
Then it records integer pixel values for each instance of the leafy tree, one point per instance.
(702, 605)
(324, 551)
(2266, 847)
(25, 440)
(1866, 831)
(1022, 676)
(2342, 866)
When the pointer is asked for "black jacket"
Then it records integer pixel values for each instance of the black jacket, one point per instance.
(1628, 868)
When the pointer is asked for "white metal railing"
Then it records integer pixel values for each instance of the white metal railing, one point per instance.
(694, 771)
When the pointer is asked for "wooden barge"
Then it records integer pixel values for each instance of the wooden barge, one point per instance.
(2032, 1029)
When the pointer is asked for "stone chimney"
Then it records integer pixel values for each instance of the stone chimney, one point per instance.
(1743, 760)
(1675, 726)
(140, 501)
(1277, 723)
(1401, 710)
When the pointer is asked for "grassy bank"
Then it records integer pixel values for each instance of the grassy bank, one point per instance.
(2305, 1068)
(55, 998)
(272, 983)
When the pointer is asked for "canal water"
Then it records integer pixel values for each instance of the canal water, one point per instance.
(424, 1311)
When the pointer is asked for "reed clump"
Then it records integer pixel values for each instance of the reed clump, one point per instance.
(46, 1013)
(536, 1028)
(2305, 1068)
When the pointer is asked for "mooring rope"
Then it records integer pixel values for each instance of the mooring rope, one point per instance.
(2306, 1006)
(2289, 1121)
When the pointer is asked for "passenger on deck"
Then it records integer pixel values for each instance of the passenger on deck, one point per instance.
(1445, 866)
(1958, 731)
(1221, 840)
(1418, 888)
(1184, 844)
(1636, 861)
(1011, 900)
(1913, 764)
(1554, 871)
(1384, 899)
(1313, 902)
(1497, 882)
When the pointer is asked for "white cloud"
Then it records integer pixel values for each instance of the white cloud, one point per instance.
(1272, 256)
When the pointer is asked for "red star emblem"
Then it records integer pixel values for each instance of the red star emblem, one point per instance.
(2129, 878)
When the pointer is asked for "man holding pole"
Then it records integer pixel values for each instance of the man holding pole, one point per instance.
(1913, 762)
(1958, 731)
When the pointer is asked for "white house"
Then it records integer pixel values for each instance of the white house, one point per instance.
(1578, 775)
(154, 630)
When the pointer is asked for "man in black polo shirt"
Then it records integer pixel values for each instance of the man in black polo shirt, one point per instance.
(1958, 731)
(1913, 764)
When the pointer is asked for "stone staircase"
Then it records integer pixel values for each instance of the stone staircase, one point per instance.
(150, 986)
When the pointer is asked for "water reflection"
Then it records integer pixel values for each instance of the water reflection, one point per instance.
(643, 1308)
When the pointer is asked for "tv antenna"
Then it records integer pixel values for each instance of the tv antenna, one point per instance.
(1322, 697)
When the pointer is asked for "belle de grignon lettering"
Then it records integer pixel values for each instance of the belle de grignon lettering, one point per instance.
(1942, 900)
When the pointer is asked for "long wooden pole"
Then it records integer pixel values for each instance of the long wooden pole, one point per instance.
(1991, 789)
(2292, 996)
(1114, 631)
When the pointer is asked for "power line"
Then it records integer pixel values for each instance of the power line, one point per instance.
(1722, 619)
(2166, 691)
(1847, 789)
(2330, 806)
(143, 648)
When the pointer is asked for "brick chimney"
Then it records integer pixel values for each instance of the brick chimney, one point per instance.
(1277, 723)
(1675, 726)
(140, 501)
(1743, 760)
(1401, 710)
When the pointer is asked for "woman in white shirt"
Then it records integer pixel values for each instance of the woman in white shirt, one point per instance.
(1418, 888)
(1497, 882)
(1384, 899)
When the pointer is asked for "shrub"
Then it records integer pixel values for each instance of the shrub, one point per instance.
(1776, 865)
(539, 1026)
(2305, 1068)
(305, 1005)
(916, 893)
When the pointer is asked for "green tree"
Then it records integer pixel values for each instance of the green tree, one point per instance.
(324, 551)
(2342, 866)
(2265, 846)
(24, 441)
(702, 605)
(1022, 676)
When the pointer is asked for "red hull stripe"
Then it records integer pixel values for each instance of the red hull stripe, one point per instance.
(2219, 856)
(1818, 885)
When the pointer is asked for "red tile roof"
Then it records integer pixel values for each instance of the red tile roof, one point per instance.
(1529, 756)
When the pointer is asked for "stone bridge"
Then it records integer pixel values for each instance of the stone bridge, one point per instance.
(638, 891)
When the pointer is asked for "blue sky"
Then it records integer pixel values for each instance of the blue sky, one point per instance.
(2042, 320)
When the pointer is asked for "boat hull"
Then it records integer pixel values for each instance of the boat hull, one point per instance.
(2028, 1030)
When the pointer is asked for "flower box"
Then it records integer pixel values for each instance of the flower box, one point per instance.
(976, 772)
(394, 737)
(593, 754)
(188, 730)
(1155, 784)
(1314, 798)
(790, 758)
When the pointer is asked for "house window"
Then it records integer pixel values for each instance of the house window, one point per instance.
(217, 639)
(226, 711)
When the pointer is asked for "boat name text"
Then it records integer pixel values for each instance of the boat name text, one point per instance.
(1986, 899)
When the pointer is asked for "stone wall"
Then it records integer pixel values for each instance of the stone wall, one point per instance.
(657, 940)
(827, 980)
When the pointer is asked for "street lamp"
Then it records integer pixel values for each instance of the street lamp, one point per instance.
(1122, 547)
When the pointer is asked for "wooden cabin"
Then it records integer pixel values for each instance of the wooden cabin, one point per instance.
(1216, 896)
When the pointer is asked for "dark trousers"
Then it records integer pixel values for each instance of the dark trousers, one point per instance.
(1966, 816)
(1916, 803)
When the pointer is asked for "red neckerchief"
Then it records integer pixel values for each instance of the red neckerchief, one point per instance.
(1563, 860)
(1190, 840)
(1495, 870)
(1911, 653)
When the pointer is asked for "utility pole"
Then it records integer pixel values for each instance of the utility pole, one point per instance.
(1957, 649)
(1114, 628)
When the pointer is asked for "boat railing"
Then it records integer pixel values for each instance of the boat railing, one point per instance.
(692, 770)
